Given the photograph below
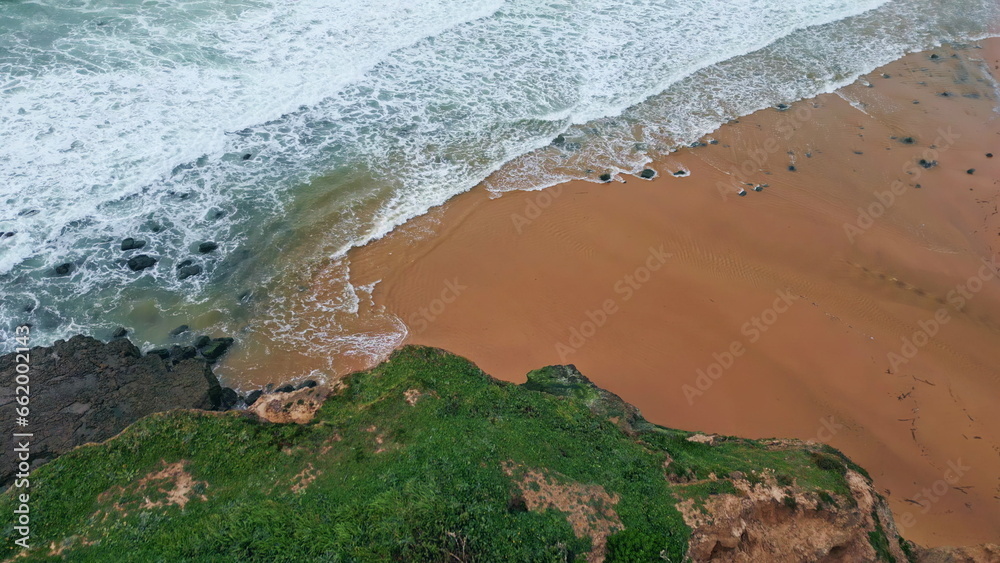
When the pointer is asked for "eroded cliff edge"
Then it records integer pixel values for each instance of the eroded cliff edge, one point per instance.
(426, 458)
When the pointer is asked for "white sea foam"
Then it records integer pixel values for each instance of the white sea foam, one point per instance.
(133, 119)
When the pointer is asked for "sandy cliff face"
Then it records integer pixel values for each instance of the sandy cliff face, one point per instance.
(767, 522)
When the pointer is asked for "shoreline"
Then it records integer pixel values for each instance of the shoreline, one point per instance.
(504, 280)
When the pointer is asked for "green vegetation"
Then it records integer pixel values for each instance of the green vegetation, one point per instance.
(908, 550)
(424, 458)
(879, 541)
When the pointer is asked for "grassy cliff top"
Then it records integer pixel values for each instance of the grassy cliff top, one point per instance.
(422, 458)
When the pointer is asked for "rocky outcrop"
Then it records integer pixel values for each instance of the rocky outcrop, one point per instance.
(764, 521)
(83, 390)
(295, 405)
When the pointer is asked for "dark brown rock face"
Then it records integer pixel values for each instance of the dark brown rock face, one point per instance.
(84, 390)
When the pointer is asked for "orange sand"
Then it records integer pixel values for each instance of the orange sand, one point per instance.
(516, 282)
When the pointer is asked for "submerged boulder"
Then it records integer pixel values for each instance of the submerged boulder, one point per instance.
(216, 348)
(141, 262)
(207, 247)
(188, 271)
(132, 244)
(64, 269)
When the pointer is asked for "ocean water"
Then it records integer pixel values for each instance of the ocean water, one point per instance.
(288, 132)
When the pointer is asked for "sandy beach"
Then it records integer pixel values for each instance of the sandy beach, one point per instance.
(826, 271)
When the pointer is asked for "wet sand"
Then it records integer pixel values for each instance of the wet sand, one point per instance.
(781, 312)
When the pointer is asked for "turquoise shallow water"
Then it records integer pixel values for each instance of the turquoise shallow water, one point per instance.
(289, 131)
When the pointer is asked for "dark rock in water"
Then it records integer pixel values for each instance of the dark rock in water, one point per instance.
(559, 141)
(141, 262)
(87, 391)
(228, 399)
(132, 244)
(184, 264)
(908, 140)
(604, 177)
(647, 173)
(927, 163)
(202, 341)
(63, 269)
(216, 348)
(247, 156)
(179, 330)
(207, 247)
(791, 168)
(970, 171)
(285, 389)
(181, 353)
(782, 107)
(307, 384)
(188, 271)
(252, 397)
(713, 142)
(163, 353)
(120, 332)
(9, 234)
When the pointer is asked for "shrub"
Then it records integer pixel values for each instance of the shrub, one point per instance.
(633, 546)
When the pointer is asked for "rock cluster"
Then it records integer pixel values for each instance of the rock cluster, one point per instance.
(84, 390)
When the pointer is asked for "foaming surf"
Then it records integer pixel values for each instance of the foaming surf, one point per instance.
(291, 132)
